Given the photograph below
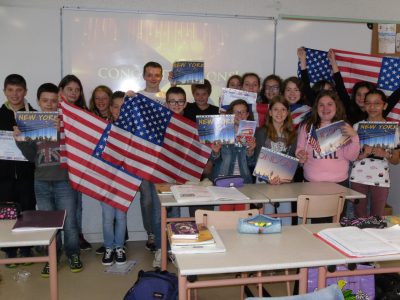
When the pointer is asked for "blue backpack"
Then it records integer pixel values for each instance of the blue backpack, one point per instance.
(154, 285)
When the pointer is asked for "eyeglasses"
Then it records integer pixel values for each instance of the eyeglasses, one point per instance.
(178, 102)
(272, 88)
(240, 113)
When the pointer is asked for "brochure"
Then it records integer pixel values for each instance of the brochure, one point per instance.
(9, 149)
(272, 164)
(188, 72)
(330, 138)
(230, 95)
(37, 126)
(378, 134)
(245, 132)
(212, 128)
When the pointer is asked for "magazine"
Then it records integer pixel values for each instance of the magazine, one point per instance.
(196, 193)
(188, 72)
(183, 230)
(271, 164)
(212, 128)
(37, 126)
(330, 138)
(245, 132)
(377, 134)
(230, 95)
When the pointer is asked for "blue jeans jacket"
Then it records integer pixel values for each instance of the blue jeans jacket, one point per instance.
(224, 163)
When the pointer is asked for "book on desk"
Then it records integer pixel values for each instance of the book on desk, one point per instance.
(355, 242)
(196, 193)
(34, 220)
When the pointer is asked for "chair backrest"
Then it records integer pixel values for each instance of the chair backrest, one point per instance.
(222, 219)
(320, 206)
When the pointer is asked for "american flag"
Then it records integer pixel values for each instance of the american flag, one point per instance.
(299, 112)
(88, 173)
(313, 140)
(260, 112)
(152, 142)
(318, 65)
(355, 67)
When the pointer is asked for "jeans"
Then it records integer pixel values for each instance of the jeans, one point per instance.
(114, 226)
(283, 207)
(78, 200)
(59, 195)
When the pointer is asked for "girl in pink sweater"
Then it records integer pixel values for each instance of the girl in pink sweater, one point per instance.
(332, 167)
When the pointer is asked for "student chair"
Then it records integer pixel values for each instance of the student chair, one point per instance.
(223, 220)
(320, 206)
(331, 292)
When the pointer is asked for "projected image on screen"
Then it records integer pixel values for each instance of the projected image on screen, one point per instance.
(111, 47)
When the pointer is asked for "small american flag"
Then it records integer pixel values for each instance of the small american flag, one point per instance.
(313, 140)
(299, 112)
(88, 173)
(152, 142)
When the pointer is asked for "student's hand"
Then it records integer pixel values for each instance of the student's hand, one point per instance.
(251, 145)
(216, 148)
(275, 180)
(380, 152)
(170, 79)
(130, 93)
(348, 130)
(301, 54)
(302, 156)
(332, 60)
(17, 134)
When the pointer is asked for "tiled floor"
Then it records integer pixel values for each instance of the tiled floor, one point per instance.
(94, 283)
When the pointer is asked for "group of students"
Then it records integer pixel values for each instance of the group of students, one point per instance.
(294, 108)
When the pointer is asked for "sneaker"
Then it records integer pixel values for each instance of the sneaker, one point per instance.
(108, 257)
(150, 244)
(75, 263)
(157, 259)
(120, 256)
(101, 250)
(84, 244)
(46, 271)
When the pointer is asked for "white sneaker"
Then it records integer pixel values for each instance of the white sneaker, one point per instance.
(157, 259)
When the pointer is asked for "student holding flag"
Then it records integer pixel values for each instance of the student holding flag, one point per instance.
(333, 167)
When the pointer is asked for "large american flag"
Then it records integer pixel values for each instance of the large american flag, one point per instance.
(355, 67)
(318, 65)
(88, 173)
(152, 142)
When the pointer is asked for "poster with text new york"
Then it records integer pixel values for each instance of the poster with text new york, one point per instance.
(37, 126)
(213, 128)
(378, 134)
(188, 72)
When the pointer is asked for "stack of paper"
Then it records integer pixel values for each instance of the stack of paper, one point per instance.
(354, 241)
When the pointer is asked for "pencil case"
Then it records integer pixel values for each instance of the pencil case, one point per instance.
(9, 210)
(259, 224)
(229, 181)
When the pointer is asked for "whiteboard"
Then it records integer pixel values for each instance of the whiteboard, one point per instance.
(111, 47)
(30, 46)
(321, 35)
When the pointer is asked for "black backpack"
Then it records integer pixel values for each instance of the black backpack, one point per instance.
(160, 285)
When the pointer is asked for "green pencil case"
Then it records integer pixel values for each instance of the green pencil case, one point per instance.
(259, 224)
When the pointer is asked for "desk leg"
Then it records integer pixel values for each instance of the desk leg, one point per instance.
(53, 269)
(322, 277)
(303, 281)
(164, 238)
(183, 291)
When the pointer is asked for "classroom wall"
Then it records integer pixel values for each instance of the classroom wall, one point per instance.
(31, 46)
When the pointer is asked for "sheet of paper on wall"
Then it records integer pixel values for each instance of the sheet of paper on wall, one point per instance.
(387, 38)
(9, 149)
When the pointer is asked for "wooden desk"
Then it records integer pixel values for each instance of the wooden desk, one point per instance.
(295, 247)
(258, 193)
(34, 238)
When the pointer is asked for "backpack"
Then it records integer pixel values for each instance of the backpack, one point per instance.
(154, 285)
